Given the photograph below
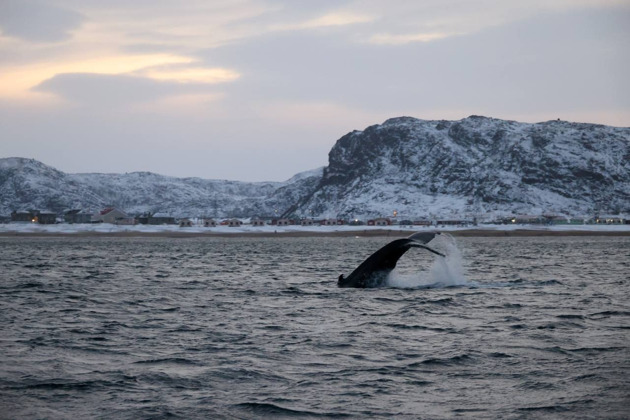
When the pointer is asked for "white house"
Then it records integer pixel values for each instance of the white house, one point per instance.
(111, 215)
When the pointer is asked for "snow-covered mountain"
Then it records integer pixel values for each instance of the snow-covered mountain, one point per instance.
(474, 167)
(29, 184)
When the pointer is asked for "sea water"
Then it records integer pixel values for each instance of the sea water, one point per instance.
(242, 328)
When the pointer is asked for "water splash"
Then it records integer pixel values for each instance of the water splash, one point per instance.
(444, 272)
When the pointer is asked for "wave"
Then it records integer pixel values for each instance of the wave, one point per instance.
(449, 361)
(568, 406)
(175, 360)
(420, 328)
(273, 411)
(71, 385)
(608, 314)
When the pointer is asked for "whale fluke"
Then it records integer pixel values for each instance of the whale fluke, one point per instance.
(374, 271)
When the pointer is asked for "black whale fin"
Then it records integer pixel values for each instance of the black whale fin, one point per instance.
(373, 271)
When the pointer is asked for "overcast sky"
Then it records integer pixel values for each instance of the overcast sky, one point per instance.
(259, 90)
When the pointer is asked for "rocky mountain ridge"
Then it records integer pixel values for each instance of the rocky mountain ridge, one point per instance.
(475, 167)
(30, 184)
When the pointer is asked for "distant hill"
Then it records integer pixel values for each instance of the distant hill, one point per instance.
(474, 167)
(29, 184)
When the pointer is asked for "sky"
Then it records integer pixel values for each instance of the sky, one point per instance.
(259, 90)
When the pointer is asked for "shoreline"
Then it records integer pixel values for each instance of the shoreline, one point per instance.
(363, 233)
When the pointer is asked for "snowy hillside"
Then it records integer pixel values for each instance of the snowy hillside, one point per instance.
(476, 167)
(29, 184)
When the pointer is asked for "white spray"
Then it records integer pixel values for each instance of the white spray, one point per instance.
(444, 272)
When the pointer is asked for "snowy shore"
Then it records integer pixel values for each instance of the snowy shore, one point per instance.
(104, 229)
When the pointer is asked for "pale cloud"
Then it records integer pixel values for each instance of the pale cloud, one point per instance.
(194, 107)
(191, 74)
(533, 64)
(184, 26)
(37, 21)
(17, 81)
(328, 20)
(105, 92)
(391, 39)
(338, 19)
(402, 22)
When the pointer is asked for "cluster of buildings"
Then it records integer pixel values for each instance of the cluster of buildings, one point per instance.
(562, 220)
(117, 216)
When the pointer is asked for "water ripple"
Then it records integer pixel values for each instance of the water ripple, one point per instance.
(241, 328)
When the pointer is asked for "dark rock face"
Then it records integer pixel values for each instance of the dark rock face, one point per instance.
(475, 167)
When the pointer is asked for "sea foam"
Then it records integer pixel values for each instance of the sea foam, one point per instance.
(445, 271)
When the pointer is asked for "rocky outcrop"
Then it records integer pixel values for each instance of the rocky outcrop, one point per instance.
(473, 167)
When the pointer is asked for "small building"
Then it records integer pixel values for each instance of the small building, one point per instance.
(422, 222)
(161, 220)
(234, 223)
(610, 220)
(185, 222)
(34, 216)
(126, 221)
(307, 222)
(381, 221)
(528, 220)
(614, 220)
(77, 216)
(332, 222)
(109, 215)
(284, 222)
(453, 222)
(257, 222)
(46, 218)
(556, 220)
(209, 223)
(156, 219)
(578, 220)
(23, 216)
(356, 222)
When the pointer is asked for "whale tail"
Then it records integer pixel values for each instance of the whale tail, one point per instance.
(340, 280)
(374, 270)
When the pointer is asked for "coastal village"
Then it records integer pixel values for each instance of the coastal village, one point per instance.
(115, 216)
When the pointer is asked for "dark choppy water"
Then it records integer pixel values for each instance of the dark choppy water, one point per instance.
(256, 328)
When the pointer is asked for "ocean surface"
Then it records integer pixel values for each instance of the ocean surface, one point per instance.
(256, 328)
